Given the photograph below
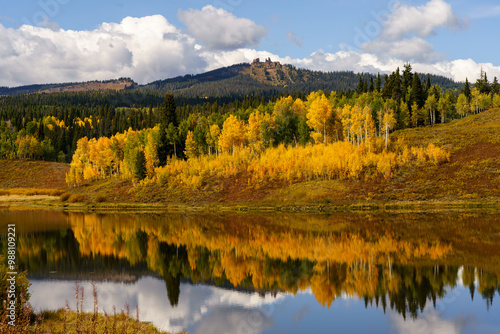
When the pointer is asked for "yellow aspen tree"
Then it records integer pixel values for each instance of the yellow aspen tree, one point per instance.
(267, 128)
(474, 101)
(191, 149)
(346, 118)
(415, 114)
(253, 131)
(213, 138)
(319, 117)
(151, 155)
(80, 158)
(431, 107)
(357, 124)
(299, 107)
(369, 127)
(389, 123)
(232, 135)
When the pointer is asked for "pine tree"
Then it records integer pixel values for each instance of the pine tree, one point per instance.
(495, 86)
(361, 86)
(167, 116)
(378, 83)
(417, 94)
(466, 90)
(406, 82)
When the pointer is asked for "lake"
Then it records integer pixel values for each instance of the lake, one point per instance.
(377, 272)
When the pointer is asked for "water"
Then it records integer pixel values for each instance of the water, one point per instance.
(406, 272)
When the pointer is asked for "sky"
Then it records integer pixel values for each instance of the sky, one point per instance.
(53, 41)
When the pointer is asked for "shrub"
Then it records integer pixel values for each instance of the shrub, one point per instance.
(65, 197)
(100, 199)
(76, 199)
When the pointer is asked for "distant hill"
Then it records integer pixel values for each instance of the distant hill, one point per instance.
(117, 84)
(266, 78)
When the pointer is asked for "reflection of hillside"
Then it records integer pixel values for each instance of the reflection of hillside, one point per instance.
(367, 257)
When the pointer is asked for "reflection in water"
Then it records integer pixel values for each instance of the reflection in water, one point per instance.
(216, 310)
(407, 263)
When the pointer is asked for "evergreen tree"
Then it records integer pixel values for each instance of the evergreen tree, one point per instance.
(167, 116)
(372, 86)
(417, 94)
(168, 112)
(361, 86)
(406, 82)
(466, 90)
(396, 86)
(428, 85)
(378, 83)
(495, 86)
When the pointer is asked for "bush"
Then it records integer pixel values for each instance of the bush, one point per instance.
(56, 192)
(76, 199)
(100, 199)
(65, 197)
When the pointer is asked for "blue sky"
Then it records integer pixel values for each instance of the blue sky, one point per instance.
(69, 40)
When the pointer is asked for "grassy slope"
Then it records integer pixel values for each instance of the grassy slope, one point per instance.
(32, 174)
(473, 173)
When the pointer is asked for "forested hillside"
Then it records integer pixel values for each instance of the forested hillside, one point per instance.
(173, 142)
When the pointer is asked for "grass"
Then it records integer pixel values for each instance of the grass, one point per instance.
(32, 174)
(30, 192)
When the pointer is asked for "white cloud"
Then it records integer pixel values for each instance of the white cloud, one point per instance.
(403, 31)
(220, 30)
(150, 48)
(421, 21)
(354, 61)
(145, 49)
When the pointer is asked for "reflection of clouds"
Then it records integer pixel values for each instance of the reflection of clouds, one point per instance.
(431, 322)
(199, 304)
(234, 320)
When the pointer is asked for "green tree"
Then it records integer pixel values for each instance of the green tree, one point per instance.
(378, 83)
(167, 116)
(466, 90)
(417, 94)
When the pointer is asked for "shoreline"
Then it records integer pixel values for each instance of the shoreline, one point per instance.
(44, 202)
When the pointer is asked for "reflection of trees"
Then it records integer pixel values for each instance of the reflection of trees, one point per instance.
(371, 264)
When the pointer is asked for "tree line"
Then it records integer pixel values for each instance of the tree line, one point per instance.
(49, 126)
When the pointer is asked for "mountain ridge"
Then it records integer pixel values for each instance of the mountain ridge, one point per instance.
(257, 78)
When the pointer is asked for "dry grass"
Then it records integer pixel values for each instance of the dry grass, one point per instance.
(32, 174)
(30, 192)
(76, 198)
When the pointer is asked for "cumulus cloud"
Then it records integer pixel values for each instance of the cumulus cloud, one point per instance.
(145, 49)
(403, 31)
(151, 48)
(422, 20)
(220, 30)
